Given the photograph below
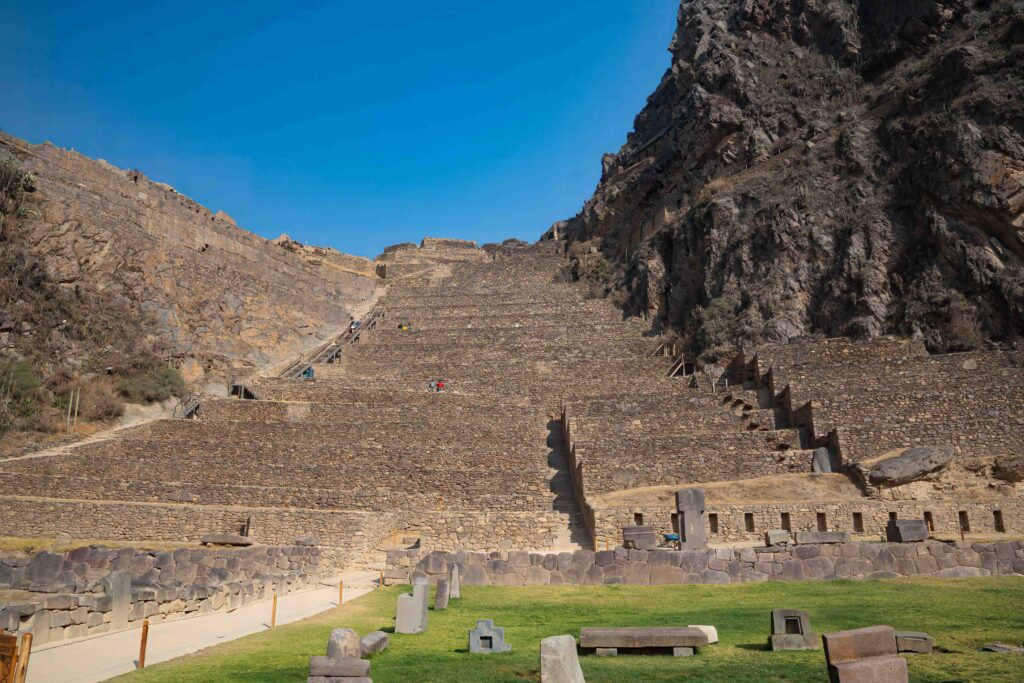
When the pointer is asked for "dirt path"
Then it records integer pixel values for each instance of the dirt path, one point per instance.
(102, 657)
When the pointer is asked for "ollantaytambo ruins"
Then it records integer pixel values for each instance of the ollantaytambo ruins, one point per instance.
(754, 413)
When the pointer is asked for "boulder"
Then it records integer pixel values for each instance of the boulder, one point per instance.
(1009, 469)
(558, 661)
(331, 666)
(374, 642)
(344, 643)
(914, 464)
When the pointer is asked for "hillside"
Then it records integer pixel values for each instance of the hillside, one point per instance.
(851, 168)
(109, 273)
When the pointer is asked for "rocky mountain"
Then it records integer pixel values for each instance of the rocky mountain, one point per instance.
(121, 259)
(845, 167)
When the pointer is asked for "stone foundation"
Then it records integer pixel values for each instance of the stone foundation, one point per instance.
(715, 566)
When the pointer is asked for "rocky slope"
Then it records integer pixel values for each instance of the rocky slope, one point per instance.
(141, 259)
(846, 167)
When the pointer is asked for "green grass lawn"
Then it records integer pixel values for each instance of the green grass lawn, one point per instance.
(962, 615)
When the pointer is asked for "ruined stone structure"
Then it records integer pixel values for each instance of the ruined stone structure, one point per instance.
(560, 423)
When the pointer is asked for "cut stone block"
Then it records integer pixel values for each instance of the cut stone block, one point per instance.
(887, 669)
(331, 666)
(692, 529)
(455, 584)
(710, 631)
(642, 637)
(339, 679)
(487, 638)
(441, 594)
(906, 530)
(344, 644)
(859, 643)
(791, 630)
(914, 641)
(374, 642)
(812, 537)
(559, 662)
(777, 537)
(225, 539)
(640, 537)
(606, 652)
(412, 609)
(683, 651)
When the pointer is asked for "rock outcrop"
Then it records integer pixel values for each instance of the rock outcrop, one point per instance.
(914, 464)
(848, 168)
(216, 295)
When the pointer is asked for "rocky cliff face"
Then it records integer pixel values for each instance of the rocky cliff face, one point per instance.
(212, 294)
(847, 167)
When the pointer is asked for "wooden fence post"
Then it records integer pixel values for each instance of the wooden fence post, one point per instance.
(273, 611)
(380, 584)
(24, 652)
(142, 644)
(341, 591)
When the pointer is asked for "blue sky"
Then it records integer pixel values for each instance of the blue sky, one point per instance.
(348, 124)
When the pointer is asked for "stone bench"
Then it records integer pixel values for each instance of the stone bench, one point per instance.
(683, 641)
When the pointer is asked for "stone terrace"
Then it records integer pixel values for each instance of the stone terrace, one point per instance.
(560, 425)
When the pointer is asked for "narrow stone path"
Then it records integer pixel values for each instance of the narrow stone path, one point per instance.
(103, 657)
(575, 536)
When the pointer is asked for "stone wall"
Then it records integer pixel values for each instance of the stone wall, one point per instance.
(747, 523)
(347, 536)
(715, 566)
(95, 590)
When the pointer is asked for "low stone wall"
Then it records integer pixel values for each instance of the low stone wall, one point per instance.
(94, 590)
(867, 517)
(348, 535)
(714, 566)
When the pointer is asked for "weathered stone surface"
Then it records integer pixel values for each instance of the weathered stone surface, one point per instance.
(374, 642)
(811, 537)
(791, 630)
(344, 643)
(455, 584)
(1009, 469)
(887, 669)
(226, 539)
(710, 631)
(914, 464)
(334, 666)
(441, 594)
(859, 643)
(906, 530)
(914, 641)
(411, 617)
(558, 660)
(487, 638)
(693, 520)
(642, 637)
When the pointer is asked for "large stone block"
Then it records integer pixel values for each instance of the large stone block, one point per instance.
(374, 642)
(692, 525)
(791, 630)
(859, 643)
(487, 638)
(887, 669)
(455, 584)
(914, 641)
(333, 666)
(809, 537)
(906, 530)
(643, 637)
(559, 662)
(344, 643)
(441, 594)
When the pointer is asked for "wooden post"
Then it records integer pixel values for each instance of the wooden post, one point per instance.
(273, 611)
(21, 670)
(78, 401)
(67, 420)
(380, 584)
(341, 591)
(142, 644)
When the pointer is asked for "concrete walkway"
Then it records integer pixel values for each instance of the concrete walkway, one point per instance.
(103, 657)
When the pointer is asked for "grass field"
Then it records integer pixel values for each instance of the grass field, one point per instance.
(962, 615)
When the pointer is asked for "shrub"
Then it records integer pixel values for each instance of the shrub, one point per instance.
(157, 384)
(20, 395)
(100, 401)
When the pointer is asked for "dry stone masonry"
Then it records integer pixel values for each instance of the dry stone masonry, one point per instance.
(560, 425)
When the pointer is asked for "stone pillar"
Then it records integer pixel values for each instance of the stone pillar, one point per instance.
(692, 519)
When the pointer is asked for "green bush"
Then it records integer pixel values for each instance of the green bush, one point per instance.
(158, 384)
(20, 395)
